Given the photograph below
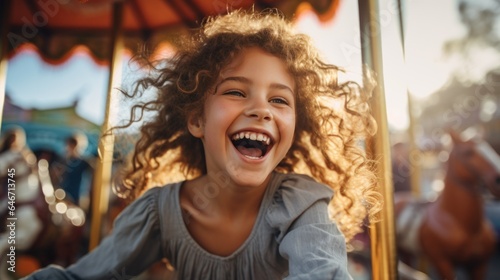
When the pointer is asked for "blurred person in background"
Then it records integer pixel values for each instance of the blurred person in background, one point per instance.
(20, 192)
(75, 172)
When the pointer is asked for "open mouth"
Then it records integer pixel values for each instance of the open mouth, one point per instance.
(252, 145)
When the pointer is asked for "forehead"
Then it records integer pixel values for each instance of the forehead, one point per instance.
(258, 65)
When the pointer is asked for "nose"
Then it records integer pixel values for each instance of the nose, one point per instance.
(259, 110)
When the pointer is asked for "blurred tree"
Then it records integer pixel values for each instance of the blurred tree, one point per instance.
(477, 53)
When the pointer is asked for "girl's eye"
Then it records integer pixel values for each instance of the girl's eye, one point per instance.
(279, 100)
(234, 92)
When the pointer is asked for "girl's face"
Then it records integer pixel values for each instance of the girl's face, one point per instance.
(249, 120)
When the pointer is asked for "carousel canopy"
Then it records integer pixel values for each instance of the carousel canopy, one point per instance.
(56, 27)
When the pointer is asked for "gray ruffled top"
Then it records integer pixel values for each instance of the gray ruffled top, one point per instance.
(292, 239)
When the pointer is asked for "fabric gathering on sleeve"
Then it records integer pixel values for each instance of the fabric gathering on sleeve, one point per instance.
(313, 245)
(131, 248)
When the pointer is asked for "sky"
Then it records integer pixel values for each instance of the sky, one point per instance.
(428, 23)
(32, 83)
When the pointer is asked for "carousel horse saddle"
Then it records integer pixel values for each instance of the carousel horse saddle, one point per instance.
(408, 225)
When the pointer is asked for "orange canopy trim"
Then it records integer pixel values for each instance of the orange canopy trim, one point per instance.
(56, 27)
(163, 50)
(79, 49)
(326, 16)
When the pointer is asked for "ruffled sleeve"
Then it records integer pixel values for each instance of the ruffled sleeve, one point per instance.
(312, 244)
(133, 246)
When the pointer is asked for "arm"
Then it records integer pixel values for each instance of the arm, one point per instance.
(314, 246)
(133, 246)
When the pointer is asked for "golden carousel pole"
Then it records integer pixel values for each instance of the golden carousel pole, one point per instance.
(414, 150)
(382, 235)
(102, 178)
(4, 30)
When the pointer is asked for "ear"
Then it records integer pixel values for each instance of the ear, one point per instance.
(455, 137)
(195, 126)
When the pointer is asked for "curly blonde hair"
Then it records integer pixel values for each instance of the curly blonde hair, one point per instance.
(333, 118)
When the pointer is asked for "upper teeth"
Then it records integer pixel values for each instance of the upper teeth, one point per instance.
(252, 136)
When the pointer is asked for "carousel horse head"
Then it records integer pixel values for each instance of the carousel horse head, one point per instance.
(475, 163)
(454, 235)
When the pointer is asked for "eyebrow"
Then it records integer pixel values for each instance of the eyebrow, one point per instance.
(249, 82)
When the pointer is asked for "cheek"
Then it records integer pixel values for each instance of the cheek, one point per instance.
(219, 115)
(288, 127)
(222, 115)
(291, 124)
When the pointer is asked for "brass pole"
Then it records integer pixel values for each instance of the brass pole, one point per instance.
(102, 178)
(382, 236)
(414, 152)
(4, 30)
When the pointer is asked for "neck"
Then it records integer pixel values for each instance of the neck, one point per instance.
(226, 198)
(457, 192)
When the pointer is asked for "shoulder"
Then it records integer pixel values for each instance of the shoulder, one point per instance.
(143, 206)
(149, 204)
(300, 190)
(304, 182)
(11, 157)
(295, 195)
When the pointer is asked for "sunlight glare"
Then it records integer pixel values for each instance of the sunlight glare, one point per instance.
(425, 78)
(429, 25)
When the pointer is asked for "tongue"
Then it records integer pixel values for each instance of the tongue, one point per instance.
(252, 152)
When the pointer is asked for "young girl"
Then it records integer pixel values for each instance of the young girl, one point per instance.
(243, 108)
